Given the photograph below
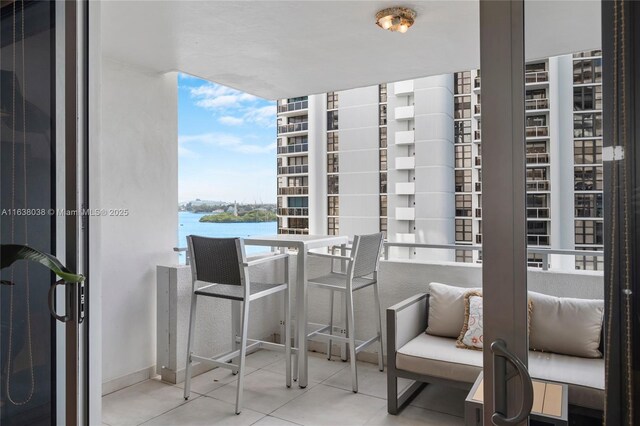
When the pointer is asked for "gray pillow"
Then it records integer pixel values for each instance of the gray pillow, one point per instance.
(446, 309)
(565, 325)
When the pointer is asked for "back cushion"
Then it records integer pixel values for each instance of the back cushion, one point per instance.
(446, 310)
(565, 325)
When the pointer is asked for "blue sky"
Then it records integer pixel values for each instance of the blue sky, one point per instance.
(226, 143)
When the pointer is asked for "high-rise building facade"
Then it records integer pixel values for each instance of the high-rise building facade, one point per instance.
(405, 158)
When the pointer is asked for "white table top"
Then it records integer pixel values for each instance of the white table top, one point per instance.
(286, 240)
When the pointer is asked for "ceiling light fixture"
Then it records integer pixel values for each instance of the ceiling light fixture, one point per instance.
(396, 19)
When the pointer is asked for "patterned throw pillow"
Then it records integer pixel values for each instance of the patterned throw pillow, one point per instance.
(471, 336)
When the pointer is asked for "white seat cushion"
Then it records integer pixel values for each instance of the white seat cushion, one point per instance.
(439, 357)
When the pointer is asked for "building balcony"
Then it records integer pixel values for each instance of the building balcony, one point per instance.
(533, 77)
(405, 163)
(478, 186)
(478, 212)
(293, 211)
(476, 109)
(476, 82)
(538, 213)
(537, 131)
(405, 213)
(293, 128)
(292, 107)
(478, 238)
(538, 186)
(405, 188)
(403, 88)
(536, 104)
(293, 190)
(404, 113)
(478, 161)
(537, 158)
(477, 135)
(405, 137)
(293, 149)
(293, 170)
(293, 231)
(538, 240)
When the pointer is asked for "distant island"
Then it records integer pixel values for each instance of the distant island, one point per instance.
(249, 216)
(208, 206)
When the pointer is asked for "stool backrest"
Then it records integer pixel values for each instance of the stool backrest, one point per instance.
(217, 260)
(366, 252)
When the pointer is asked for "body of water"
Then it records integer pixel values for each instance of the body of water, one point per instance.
(189, 224)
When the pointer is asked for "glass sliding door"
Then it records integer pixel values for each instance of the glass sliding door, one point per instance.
(38, 173)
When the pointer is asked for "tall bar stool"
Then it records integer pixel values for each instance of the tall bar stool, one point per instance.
(220, 269)
(361, 272)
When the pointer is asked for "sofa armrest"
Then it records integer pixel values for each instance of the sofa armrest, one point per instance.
(405, 321)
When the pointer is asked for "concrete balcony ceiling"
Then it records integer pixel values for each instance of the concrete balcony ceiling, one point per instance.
(278, 49)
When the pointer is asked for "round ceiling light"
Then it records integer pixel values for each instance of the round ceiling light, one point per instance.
(396, 19)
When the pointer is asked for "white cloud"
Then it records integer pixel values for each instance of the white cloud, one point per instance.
(226, 141)
(214, 96)
(263, 116)
(230, 120)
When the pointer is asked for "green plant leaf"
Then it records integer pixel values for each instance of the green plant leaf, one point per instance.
(13, 252)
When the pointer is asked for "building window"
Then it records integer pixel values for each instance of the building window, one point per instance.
(332, 141)
(463, 180)
(465, 256)
(333, 184)
(588, 178)
(587, 98)
(332, 120)
(332, 163)
(383, 159)
(383, 205)
(587, 71)
(536, 120)
(298, 222)
(297, 140)
(383, 226)
(587, 125)
(383, 114)
(462, 131)
(588, 205)
(332, 100)
(462, 82)
(538, 233)
(463, 230)
(536, 67)
(334, 226)
(588, 232)
(383, 137)
(382, 93)
(590, 263)
(535, 260)
(334, 206)
(536, 173)
(463, 205)
(463, 156)
(588, 151)
(383, 183)
(462, 107)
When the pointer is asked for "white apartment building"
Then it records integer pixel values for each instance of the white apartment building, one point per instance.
(405, 158)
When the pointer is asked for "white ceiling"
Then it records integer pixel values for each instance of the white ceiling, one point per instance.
(277, 49)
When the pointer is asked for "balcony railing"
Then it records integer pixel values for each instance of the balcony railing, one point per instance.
(538, 158)
(290, 149)
(289, 170)
(293, 211)
(537, 240)
(538, 212)
(478, 212)
(293, 106)
(293, 127)
(478, 186)
(538, 185)
(476, 135)
(478, 160)
(293, 231)
(293, 190)
(476, 82)
(537, 131)
(533, 104)
(479, 239)
(536, 76)
(476, 109)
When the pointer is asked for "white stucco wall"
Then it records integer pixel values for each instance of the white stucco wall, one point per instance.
(136, 156)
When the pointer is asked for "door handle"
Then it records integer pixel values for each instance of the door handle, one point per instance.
(52, 302)
(500, 355)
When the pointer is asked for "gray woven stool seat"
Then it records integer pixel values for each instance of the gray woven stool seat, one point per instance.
(235, 292)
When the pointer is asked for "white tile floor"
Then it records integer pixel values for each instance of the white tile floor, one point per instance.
(327, 400)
